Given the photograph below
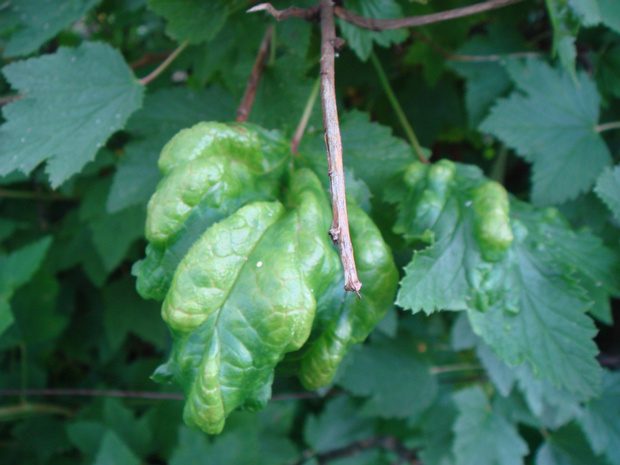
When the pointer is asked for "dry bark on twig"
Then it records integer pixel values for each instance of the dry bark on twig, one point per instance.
(339, 231)
(243, 112)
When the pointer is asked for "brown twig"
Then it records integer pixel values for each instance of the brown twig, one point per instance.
(339, 231)
(13, 411)
(471, 58)
(243, 112)
(388, 443)
(422, 20)
(9, 99)
(309, 14)
(161, 68)
(149, 58)
(36, 195)
(72, 392)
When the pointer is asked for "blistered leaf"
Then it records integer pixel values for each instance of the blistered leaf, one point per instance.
(550, 121)
(344, 320)
(521, 294)
(73, 101)
(465, 218)
(244, 296)
(165, 112)
(209, 171)
(244, 274)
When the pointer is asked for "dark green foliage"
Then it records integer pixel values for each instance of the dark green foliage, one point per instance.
(152, 248)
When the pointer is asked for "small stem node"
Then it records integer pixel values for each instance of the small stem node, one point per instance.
(243, 112)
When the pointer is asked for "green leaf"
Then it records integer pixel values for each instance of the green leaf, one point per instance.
(565, 20)
(608, 189)
(126, 312)
(391, 374)
(16, 269)
(437, 427)
(86, 436)
(243, 293)
(338, 425)
(247, 440)
(601, 419)
(447, 205)
(112, 234)
(610, 14)
(567, 446)
(553, 127)
(608, 66)
(42, 436)
(242, 297)
(345, 320)
(368, 148)
(165, 113)
(361, 40)
(39, 21)
(47, 125)
(485, 81)
(113, 450)
(122, 420)
(521, 295)
(553, 407)
(482, 436)
(35, 310)
(191, 20)
(242, 164)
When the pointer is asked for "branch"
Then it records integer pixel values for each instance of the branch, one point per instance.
(309, 14)
(161, 68)
(13, 411)
(149, 58)
(414, 21)
(9, 99)
(72, 392)
(339, 231)
(305, 117)
(387, 443)
(243, 112)
(470, 58)
(29, 195)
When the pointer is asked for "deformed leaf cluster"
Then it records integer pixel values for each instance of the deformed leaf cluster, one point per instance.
(246, 277)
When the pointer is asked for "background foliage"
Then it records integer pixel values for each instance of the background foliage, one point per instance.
(506, 373)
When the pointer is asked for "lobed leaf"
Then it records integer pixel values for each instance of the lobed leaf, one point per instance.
(243, 275)
(192, 20)
(38, 21)
(550, 121)
(201, 185)
(483, 436)
(520, 294)
(74, 100)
